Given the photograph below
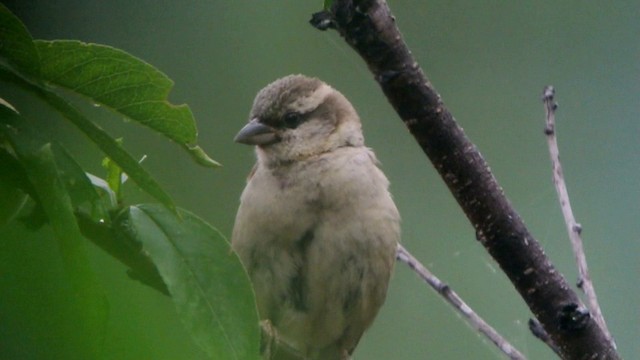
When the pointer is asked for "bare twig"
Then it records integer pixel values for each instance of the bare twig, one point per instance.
(454, 299)
(573, 227)
(538, 331)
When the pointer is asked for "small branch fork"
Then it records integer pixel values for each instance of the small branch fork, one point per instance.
(573, 227)
(452, 298)
(538, 331)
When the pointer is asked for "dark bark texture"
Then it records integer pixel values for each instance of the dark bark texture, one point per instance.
(369, 27)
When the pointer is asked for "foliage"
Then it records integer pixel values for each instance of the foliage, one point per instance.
(204, 278)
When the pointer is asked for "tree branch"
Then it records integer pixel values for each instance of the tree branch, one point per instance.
(456, 301)
(369, 27)
(573, 227)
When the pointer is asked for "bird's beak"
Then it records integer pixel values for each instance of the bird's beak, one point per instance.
(256, 133)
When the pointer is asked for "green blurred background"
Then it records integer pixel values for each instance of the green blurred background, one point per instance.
(489, 60)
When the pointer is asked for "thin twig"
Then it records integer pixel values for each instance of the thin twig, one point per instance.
(538, 331)
(452, 298)
(573, 227)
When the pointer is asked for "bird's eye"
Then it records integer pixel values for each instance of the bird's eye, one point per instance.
(292, 120)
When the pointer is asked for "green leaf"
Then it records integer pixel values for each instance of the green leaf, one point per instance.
(121, 82)
(101, 138)
(43, 173)
(13, 198)
(84, 196)
(96, 134)
(112, 149)
(207, 282)
(327, 4)
(201, 157)
(102, 185)
(107, 76)
(16, 44)
(114, 175)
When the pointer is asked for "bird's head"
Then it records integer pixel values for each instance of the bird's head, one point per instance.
(297, 117)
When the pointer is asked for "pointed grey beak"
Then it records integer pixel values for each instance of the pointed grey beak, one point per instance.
(256, 133)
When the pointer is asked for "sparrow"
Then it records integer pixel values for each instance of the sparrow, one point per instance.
(316, 228)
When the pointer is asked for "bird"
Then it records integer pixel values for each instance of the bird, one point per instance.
(317, 228)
